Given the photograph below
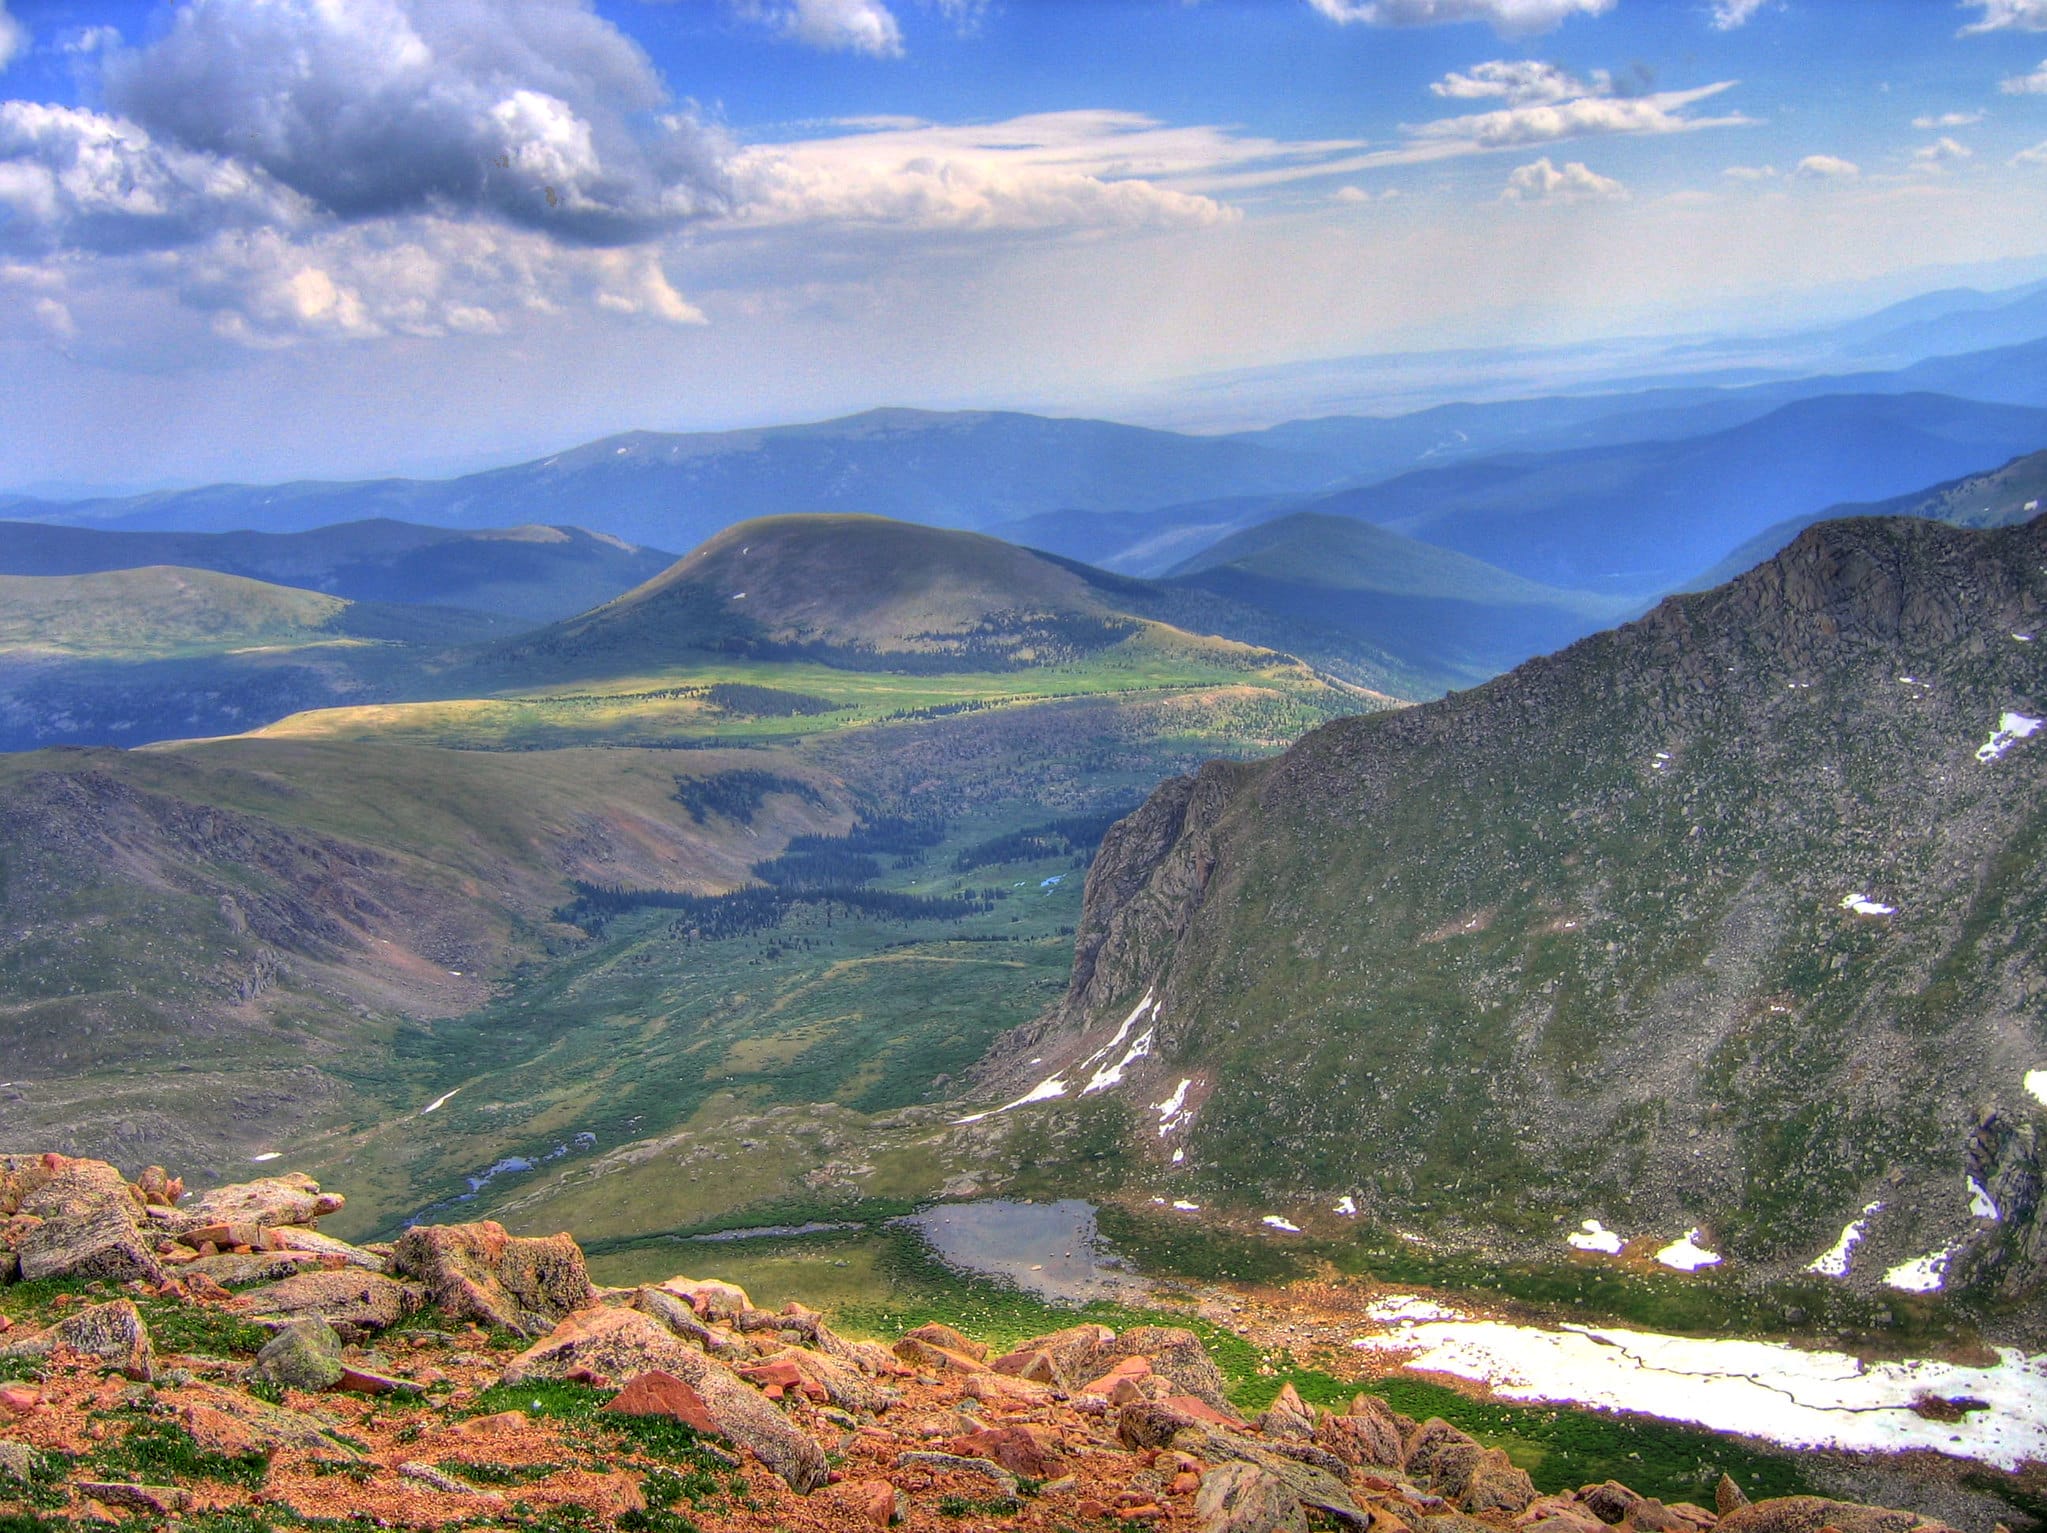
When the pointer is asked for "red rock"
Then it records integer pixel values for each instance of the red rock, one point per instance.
(662, 1394)
(952, 1341)
(503, 1424)
(1014, 1448)
(19, 1399)
(363, 1382)
(1125, 1368)
(1088, 1506)
(589, 1377)
(1185, 1483)
(200, 1286)
(914, 1349)
(877, 1502)
(1200, 1410)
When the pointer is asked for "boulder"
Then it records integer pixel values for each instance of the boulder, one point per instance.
(1242, 1498)
(479, 1272)
(293, 1198)
(1013, 1447)
(875, 1503)
(621, 1343)
(304, 1355)
(1151, 1424)
(945, 1336)
(919, 1353)
(1728, 1496)
(1367, 1436)
(1175, 1354)
(1060, 1358)
(710, 1298)
(298, 1238)
(1496, 1485)
(356, 1304)
(112, 1332)
(18, 1461)
(233, 1271)
(89, 1227)
(1288, 1416)
(676, 1313)
(1808, 1514)
(1443, 1459)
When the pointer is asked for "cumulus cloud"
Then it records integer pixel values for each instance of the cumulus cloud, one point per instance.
(1941, 153)
(1518, 82)
(836, 26)
(83, 42)
(1509, 17)
(535, 112)
(1729, 14)
(1827, 167)
(75, 179)
(1056, 170)
(1998, 15)
(2034, 84)
(1548, 121)
(13, 37)
(1543, 182)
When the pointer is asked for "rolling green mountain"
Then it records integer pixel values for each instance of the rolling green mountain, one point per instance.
(533, 573)
(133, 655)
(1646, 516)
(1726, 919)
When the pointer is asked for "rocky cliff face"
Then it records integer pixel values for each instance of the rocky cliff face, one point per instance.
(1728, 918)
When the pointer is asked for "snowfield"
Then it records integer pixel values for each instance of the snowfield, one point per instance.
(1796, 1398)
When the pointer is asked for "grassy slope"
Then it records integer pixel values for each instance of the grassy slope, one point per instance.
(157, 611)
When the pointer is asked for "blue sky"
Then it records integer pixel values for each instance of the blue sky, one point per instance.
(267, 238)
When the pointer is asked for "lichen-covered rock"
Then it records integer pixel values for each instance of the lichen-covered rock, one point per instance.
(112, 1332)
(89, 1225)
(1242, 1498)
(1288, 1416)
(293, 1198)
(711, 1299)
(940, 1335)
(1059, 1358)
(304, 1355)
(1442, 1458)
(479, 1272)
(1496, 1485)
(1367, 1436)
(1176, 1355)
(356, 1304)
(1808, 1514)
(299, 1238)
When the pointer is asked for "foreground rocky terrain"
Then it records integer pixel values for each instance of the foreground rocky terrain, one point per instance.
(217, 1362)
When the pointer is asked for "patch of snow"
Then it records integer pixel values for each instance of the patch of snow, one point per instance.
(1922, 1274)
(1687, 1255)
(1796, 1398)
(1178, 1156)
(738, 596)
(1044, 1091)
(2031, 505)
(1833, 1262)
(1862, 905)
(1112, 1075)
(1981, 1204)
(1170, 1109)
(1347, 1206)
(1053, 882)
(1408, 1308)
(267, 1155)
(1594, 1236)
(437, 1103)
(2023, 638)
(1281, 1224)
(2011, 728)
(1185, 1207)
(2036, 1082)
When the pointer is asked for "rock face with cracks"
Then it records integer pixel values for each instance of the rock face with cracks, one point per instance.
(478, 1272)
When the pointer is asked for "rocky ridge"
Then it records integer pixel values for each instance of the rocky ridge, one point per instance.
(464, 1376)
(1719, 921)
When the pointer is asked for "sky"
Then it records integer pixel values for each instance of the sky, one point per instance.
(273, 239)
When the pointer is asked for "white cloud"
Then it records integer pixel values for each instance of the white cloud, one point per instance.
(74, 179)
(1053, 171)
(1940, 153)
(1581, 117)
(1509, 17)
(1729, 14)
(1750, 172)
(82, 42)
(1927, 122)
(13, 37)
(2023, 15)
(2033, 84)
(1518, 81)
(836, 26)
(1827, 167)
(1353, 195)
(533, 112)
(1543, 182)
(2037, 155)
